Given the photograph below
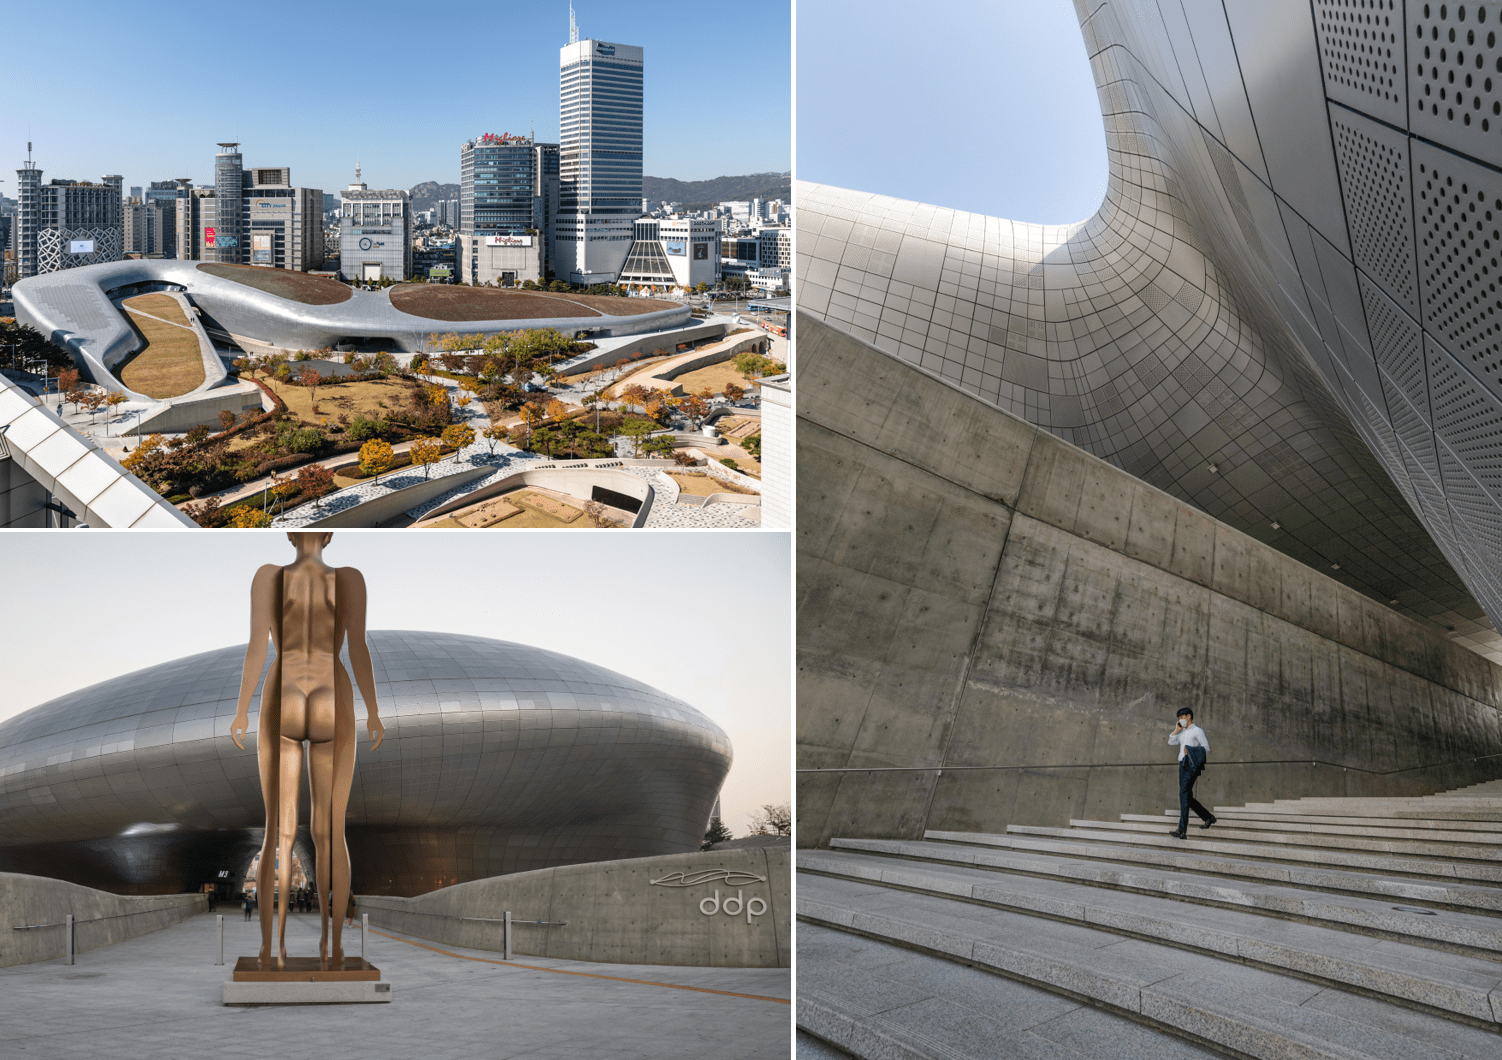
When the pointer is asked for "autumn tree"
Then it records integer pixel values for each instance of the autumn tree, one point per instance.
(459, 435)
(226, 419)
(310, 378)
(138, 459)
(531, 414)
(494, 435)
(557, 410)
(635, 394)
(92, 400)
(734, 392)
(67, 379)
(281, 488)
(375, 457)
(694, 407)
(115, 400)
(248, 518)
(425, 451)
(315, 480)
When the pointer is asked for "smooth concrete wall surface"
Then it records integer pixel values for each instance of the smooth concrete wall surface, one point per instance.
(659, 910)
(100, 918)
(379, 509)
(575, 480)
(997, 627)
(185, 413)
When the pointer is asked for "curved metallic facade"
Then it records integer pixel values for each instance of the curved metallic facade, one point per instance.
(73, 309)
(1286, 309)
(498, 758)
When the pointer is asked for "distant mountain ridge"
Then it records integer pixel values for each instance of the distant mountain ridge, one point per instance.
(694, 194)
(425, 196)
(698, 194)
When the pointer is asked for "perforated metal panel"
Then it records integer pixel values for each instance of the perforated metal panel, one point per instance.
(1455, 76)
(1373, 161)
(1459, 222)
(1469, 420)
(1361, 44)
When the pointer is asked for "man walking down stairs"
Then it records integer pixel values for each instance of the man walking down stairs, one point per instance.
(1341, 928)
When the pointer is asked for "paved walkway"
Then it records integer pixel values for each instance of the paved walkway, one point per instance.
(158, 997)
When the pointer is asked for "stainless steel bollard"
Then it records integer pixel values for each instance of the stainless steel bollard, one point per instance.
(506, 937)
(221, 939)
(70, 937)
(365, 936)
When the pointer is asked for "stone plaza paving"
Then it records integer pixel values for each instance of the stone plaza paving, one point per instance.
(158, 996)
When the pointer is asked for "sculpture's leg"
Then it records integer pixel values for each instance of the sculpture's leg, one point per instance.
(320, 773)
(267, 755)
(344, 775)
(287, 798)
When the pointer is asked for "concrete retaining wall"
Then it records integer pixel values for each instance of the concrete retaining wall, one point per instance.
(185, 413)
(575, 481)
(101, 919)
(996, 627)
(379, 509)
(616, 914)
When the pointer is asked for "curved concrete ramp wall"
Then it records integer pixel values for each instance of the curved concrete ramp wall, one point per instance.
(996, 627)
(696, 909)
(100, 918)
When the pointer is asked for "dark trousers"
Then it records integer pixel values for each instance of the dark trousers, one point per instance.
(1187, 776)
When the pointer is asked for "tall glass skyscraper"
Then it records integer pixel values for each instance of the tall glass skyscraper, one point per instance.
(599, 159)
(229, 180)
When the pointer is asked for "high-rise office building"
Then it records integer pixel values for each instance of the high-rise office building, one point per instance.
(599, 158)
(161, 197)
(229, 182)
(508, 196)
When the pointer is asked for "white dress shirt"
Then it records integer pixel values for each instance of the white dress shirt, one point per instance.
(1193, 736)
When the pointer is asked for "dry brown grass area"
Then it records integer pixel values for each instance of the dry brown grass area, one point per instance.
(704, 485)
(714, 377)
(368, 397)
(170, 365)
(159, 305)
(616, 307)
(284, 283)
(441, 301)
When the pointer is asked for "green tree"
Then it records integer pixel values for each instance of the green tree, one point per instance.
(716, 833)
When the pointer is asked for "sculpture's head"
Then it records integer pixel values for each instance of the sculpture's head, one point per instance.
(307, 543)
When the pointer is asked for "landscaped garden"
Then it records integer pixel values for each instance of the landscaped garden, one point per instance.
(458, 302)
(312, 419)
(170, 364)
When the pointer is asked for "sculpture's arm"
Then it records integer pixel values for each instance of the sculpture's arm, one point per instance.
(351, 590)
(262, 600)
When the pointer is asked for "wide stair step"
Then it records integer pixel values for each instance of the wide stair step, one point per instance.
(1360, 936)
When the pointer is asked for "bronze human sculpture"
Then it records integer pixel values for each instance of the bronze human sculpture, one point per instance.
(307, 608)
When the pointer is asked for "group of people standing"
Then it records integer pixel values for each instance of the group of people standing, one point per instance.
(300, 900)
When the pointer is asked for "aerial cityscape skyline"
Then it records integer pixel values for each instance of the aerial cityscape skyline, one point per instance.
(415, 137)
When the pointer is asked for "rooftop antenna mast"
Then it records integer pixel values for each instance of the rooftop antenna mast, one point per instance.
(573, 27)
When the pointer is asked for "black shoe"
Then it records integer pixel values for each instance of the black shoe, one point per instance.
(1211, 821)
(1178, 835)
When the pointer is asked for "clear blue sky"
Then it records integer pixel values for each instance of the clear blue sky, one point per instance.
(147, 91)
(80, 608)
(981, 106)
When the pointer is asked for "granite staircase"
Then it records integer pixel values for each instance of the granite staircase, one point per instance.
(1341, 928)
